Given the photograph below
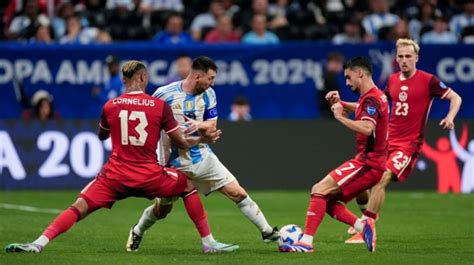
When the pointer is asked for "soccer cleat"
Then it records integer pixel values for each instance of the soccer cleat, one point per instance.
(271, 237)
(355, 239)
(351, 231)
(133, 242)
(298, 247)
(218, 247)
(369, 234)
(28, 247)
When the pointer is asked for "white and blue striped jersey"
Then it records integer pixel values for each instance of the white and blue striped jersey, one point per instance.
(199, 107)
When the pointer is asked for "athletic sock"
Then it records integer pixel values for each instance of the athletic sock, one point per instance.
(61, 224)
(314, 216)
(208, 240)
(196, 212)
(362, 204)
(340, 212)
(147, 220)
(370, 214)
(250, 209)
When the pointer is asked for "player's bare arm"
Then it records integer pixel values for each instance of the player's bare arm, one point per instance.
(363, 126)
(454, 105)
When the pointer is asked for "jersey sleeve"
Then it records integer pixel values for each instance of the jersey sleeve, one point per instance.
(159, 93)
(210, 112)
(168, 122)
(370, 110)
(438, 88)
(103, 123)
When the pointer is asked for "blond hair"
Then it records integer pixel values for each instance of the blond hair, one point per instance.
(130, 68)
(408, 42)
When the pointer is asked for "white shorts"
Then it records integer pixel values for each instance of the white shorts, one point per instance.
(208, 175)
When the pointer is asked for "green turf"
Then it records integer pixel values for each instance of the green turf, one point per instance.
(415, 228)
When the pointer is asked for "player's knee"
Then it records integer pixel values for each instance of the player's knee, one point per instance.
(234, 191)
(82, 207)
(189, 186)
(162, 211)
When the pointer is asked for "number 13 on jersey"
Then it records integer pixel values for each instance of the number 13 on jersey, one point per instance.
(140, 128)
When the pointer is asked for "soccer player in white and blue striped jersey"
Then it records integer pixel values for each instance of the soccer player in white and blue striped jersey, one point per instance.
(194, 106)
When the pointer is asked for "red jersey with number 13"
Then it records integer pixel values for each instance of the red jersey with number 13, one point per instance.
(372, 149)
(135, 120)
(411, 103)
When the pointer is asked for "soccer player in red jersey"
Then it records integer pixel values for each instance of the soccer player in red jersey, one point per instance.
(359, 173)
(411, 92)
(133, 121)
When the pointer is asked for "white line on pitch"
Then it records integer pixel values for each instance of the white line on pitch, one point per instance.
(27, 208)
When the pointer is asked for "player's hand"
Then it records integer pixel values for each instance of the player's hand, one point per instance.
(338, 110)
(191, 125)
(333, 97)
(447, 123)
(211, 137)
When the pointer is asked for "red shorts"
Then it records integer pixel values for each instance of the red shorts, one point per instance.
(354, 176)
(104, 191)
(401, 161)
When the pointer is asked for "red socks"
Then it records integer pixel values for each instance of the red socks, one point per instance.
(339, 212)
(62, 223)
(315, 213)
(196, 212)
(371, 214)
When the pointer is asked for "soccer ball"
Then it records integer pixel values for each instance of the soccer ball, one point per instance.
(290, 234)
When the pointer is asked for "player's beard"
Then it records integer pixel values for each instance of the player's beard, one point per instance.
(200, 89)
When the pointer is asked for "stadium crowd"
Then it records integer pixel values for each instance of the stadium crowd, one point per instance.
(228, 21)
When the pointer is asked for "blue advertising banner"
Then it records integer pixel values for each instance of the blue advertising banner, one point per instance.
(68, 154)
(280, 81)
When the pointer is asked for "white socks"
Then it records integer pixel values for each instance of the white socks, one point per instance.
(208, 240)
(307, 239)
(250, 209)
(146, 221)
(42, 241)
(358, 225)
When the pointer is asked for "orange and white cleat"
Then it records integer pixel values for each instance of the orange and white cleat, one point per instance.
(357, 238)
(369, 234)
(351, 231)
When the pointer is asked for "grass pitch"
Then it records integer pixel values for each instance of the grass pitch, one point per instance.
(415, 228)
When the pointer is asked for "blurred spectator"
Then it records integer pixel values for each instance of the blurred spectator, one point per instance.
(459, 22)
(23, 26)
(351, 34)
(230, 7)
(224, 32)
(440, 33)
(43, 34)
(103, 37)
(423, 19)
(393, 33)
(180, 68)
(114, 87)
(240, 110)
(333, 68)
(75, 34)
(380, 17)
(148, 6)
(42, 107)
(259, 33)
(120, 5)
(202, 23)
(173, 32)
(65, 11)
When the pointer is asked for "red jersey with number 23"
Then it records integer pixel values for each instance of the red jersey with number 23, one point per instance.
(135, 120)
(411, 103)
(372, 149)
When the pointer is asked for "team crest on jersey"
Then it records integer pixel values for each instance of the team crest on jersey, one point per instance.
(188, 105)
(443, 85)
(403, 96)
(371, 110)
(403, 88)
